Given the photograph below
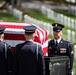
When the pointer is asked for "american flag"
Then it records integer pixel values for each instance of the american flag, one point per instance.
(14, 34)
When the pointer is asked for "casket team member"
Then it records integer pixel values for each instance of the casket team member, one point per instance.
(59, 46)
(27, 61)
(5, 55)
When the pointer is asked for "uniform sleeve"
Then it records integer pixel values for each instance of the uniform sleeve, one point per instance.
(71, 55)
(41, 62)
(14, 64)
(9, 60)
(49, 45)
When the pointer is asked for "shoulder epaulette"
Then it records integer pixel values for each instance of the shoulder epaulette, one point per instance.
(50, 40)
(37, 43)
(68, 42)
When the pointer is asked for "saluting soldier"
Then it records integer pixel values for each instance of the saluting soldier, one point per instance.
(5, 55)
(29, 58)
(59, 46)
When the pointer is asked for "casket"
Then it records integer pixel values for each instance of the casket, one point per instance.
(14, 34)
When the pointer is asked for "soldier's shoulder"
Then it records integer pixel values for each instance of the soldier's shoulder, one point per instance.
(69, 43)
(37, 43)
(6, 43)
(19, 44)
(50, 41)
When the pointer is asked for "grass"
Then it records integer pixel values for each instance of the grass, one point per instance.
(65, 12)
(37, 14)
(74, 66)
(7, 17)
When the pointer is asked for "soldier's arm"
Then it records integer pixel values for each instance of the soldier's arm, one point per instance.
(71, 55)
(41, 62)
(49, 46)
(9, 60)
(14, 62)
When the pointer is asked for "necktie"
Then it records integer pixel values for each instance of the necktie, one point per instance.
(56, 43)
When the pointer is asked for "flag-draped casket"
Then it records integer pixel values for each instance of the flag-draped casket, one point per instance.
(14, 34)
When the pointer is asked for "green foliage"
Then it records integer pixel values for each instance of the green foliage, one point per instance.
(65, 12)
(74, 66)
(7, 17)
(37, 14)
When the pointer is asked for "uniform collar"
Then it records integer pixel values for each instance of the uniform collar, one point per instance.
(57, 40)
(30, 40)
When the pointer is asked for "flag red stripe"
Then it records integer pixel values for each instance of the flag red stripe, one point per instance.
(19, 37)
(13, 26)
(14, 36)
(45, 50)
(13, 49)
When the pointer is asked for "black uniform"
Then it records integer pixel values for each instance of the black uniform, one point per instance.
(26, 62)
(5, 55)
(63, 48)
(5, 59)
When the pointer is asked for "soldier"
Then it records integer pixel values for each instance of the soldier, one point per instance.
(29, 55)
(5, 55)
(59, 46)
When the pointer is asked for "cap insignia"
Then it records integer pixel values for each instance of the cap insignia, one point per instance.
(56, 25)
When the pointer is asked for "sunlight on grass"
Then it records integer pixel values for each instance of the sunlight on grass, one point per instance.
(7, 17)
(65, 12)
(37, 14)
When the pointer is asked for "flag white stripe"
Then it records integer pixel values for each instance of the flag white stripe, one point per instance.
(14, 31)
(45, 44)
(11, 23)
(13, 43)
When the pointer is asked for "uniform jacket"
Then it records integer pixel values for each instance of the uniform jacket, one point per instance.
(5, 63)
(26, 60)
(64, 48)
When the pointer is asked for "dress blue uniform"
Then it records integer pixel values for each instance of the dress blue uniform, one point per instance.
(26, 62)
(5, 58)
(63, 48)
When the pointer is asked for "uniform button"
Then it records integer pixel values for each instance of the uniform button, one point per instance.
(55, 51)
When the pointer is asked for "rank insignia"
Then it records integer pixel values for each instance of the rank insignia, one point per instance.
(50, 47)
(72, 52)
(56, 25)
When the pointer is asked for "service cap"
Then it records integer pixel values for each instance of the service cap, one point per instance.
(57, 27)
(29, 29)
(2, 29)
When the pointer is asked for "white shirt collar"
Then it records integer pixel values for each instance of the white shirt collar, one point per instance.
(57, 40)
